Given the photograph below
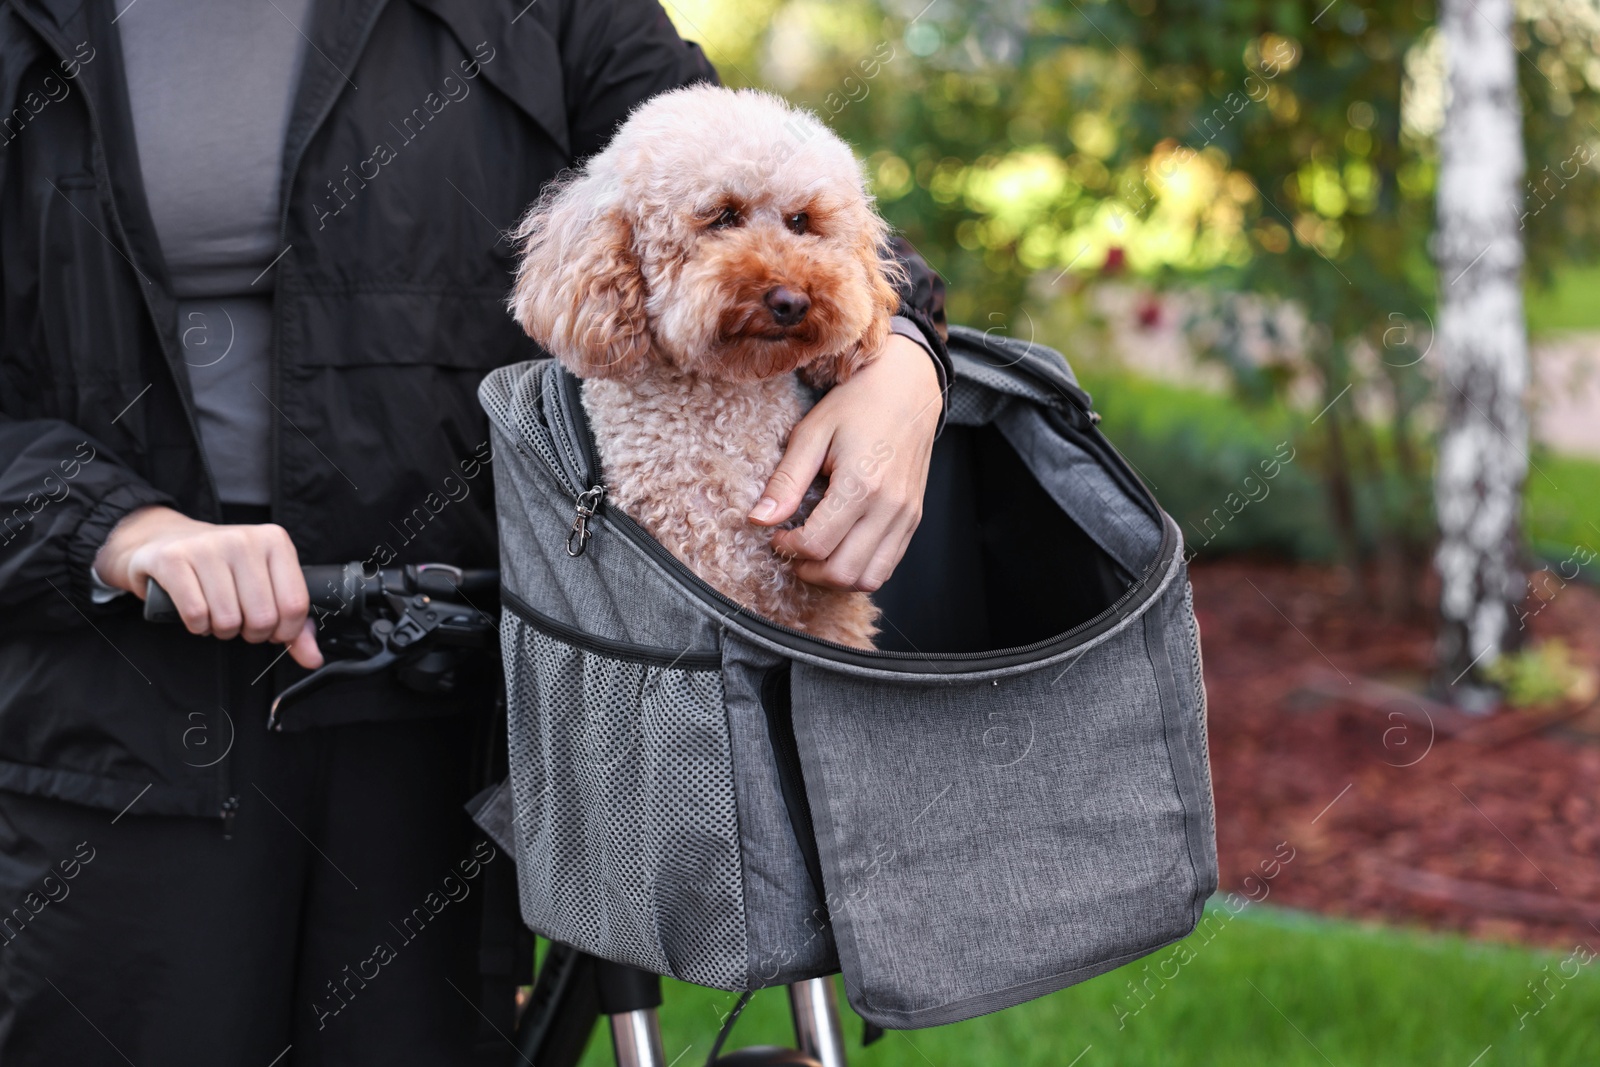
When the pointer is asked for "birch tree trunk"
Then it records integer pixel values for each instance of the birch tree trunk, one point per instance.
(1482, 339)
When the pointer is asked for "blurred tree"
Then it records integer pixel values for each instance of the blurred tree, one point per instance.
(1306, 106)
(1030, 146)
(1240, 143)
(1482, 458)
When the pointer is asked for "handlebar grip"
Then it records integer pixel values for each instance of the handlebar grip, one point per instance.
(158, 606)
(332, 588)
(343, 588)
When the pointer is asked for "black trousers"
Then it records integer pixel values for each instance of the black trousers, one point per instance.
(338, 926)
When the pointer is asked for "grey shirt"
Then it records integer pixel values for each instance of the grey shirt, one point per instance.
(210, 85)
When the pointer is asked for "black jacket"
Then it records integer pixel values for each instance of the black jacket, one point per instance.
(420, 131)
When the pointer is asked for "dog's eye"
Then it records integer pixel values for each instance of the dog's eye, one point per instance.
(729, 217)
(799, 222)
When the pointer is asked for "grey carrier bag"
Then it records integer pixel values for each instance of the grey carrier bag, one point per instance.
(1012, 796)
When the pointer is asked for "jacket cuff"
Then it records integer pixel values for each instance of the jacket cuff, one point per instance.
(92, 532)
(910, 323)
(100, 592)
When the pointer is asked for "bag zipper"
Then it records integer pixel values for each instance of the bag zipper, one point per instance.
(587, 504)
(589, 500)
(972, 661)
(799, 640)
(588, 464)
(687, 659)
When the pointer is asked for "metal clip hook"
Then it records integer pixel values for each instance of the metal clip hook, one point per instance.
(587, 504)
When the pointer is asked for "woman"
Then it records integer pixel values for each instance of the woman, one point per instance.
(253, 266)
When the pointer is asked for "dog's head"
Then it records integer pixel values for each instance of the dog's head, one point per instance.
(722, 232)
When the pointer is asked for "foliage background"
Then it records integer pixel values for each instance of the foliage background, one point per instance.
(1033, 150)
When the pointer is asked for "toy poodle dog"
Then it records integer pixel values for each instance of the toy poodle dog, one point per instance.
(719, 256)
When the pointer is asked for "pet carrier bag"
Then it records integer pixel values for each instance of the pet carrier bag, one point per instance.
(1010, 796)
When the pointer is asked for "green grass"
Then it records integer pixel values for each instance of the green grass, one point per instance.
(1270, 987)
(1572, 302)
(1562, 508)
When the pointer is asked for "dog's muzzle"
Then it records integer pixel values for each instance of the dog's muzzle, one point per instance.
(788, 306)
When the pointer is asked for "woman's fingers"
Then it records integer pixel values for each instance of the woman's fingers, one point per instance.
(258, 603)
(802, 462)
(221, 591)
(868, 540)
(289, 590)
(303, 649)
(846, 566)
(891, 550)
(226, 581)
(840, 510)
(873, 434)
(182, 586)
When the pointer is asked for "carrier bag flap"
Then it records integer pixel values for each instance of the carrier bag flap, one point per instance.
(985, 843)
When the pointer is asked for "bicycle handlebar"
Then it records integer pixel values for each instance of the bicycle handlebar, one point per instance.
(343, 589)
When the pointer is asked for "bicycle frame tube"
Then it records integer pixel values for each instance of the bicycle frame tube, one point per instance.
(816, 1021)
(636, 1037)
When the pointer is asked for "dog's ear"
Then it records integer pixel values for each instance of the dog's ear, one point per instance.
(579, 291)
(885, 280)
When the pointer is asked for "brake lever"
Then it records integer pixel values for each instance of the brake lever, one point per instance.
(384, 658)
(421, 620)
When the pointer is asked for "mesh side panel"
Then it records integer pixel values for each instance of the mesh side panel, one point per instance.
(627, 830)
(512, 397)
(1201, 710)
(969, 405)
(1004, 381)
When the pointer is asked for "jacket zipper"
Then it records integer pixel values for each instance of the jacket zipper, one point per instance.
(230, 799)
(230, 809)
(290, 172)
(640, 538)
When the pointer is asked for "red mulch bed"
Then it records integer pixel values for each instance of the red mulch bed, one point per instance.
(1489, 826)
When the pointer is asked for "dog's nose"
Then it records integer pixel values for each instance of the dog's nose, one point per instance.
(788, 306)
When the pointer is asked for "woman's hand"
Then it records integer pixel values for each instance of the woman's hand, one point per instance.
(226, 581)
(872, 436)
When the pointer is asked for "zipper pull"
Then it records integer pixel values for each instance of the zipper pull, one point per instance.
(230, 808)
(587, 504)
